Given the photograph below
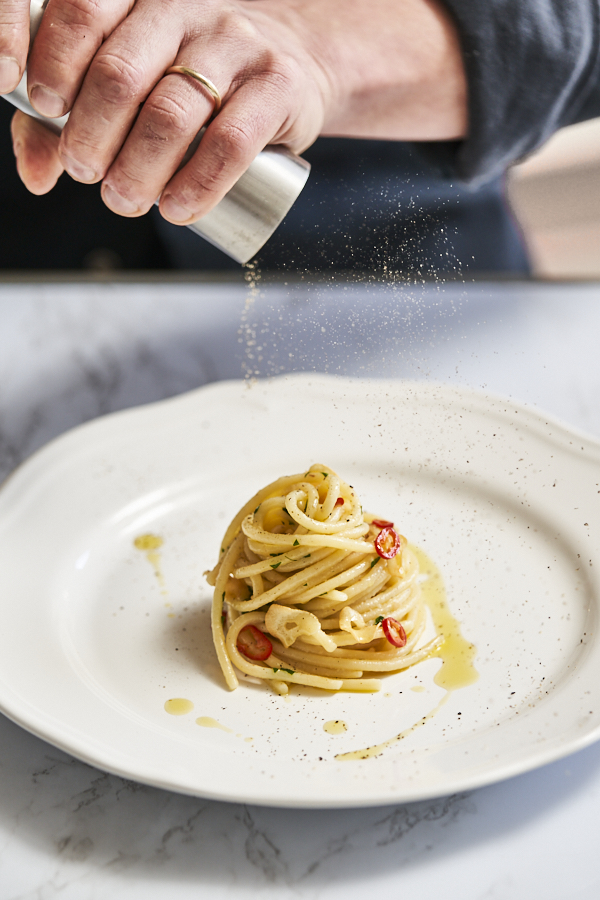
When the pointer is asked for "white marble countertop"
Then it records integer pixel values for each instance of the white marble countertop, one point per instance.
(71, 352)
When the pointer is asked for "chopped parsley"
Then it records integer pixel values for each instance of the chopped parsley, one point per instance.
(379, 620)
(223, 597)
(275, 565)
(281, 669)
(374, 563)
(256, 510)
(324, 474)
(296, 544)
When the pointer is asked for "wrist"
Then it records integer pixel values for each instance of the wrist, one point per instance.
(391, 69)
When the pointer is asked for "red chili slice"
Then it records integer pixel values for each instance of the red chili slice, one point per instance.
(394, 632)
(253, 643)
(339, 501)
(381, 523)
(387, 542)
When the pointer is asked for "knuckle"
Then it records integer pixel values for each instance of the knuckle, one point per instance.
(79, 12)
(13, 15)
(166, 118)
(197, 187)
(280, 74)
(117, 80)
(232, 139)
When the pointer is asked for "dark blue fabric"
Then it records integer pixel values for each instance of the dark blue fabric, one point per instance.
(377, 206)
(532, 67)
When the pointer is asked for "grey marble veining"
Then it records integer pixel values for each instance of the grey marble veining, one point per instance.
(72, 352)
(71, 831)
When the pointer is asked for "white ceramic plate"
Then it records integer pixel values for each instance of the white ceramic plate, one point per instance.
(91, 645)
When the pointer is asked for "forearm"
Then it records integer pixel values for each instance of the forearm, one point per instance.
(394, 68)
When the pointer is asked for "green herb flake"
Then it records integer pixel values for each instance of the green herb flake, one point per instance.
(324, 474)
(281, 669)
(379, 620)
(307, 556)
(223, 597)
(275, 565)
(296, 544)
(374, 563)
(256, 510)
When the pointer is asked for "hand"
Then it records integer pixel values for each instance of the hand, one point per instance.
(287, 70)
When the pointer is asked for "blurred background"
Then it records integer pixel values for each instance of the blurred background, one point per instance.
(376, 207)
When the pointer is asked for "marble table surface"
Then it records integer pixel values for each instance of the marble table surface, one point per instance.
(71, 352)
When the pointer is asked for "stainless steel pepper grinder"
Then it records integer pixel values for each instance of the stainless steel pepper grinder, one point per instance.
(248, 215)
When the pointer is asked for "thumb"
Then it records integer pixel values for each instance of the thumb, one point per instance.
(36, 152)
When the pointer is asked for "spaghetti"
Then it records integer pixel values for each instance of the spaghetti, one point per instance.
(310, 590)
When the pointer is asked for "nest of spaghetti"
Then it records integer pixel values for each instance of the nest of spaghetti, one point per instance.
(310, 590)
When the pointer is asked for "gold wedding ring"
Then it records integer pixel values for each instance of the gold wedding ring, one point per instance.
(205, 82)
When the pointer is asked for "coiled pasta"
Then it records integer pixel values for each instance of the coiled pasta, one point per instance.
(310, 590)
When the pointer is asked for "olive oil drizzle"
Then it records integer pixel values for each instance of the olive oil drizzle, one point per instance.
(178, 706)
(335, 726)
(457, 654)
(150, 545)
(209, 722)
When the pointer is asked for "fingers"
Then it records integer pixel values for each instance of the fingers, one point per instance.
(167, 124)
(36, 152)
(121, 75)
(70, 33)
(14, 42)
(248, 122)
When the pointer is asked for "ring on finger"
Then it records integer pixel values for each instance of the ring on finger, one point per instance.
(201, 79)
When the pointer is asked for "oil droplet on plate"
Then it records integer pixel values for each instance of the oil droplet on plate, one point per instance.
(148, 542)
(335, 726)
(150, 545)
(418, 688)
(178, 706)
(208, 722)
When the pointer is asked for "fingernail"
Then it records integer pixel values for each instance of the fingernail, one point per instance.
(78, 171)
(10, 74)
(173, 210)
(118, 203)
(47, 102)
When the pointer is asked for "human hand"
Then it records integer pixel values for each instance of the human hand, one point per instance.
(287, 70)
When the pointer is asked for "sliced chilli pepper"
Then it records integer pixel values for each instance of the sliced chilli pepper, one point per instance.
(381, 523)
(387, 542)
(339, 501)
(394, 632)
(253, 643)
